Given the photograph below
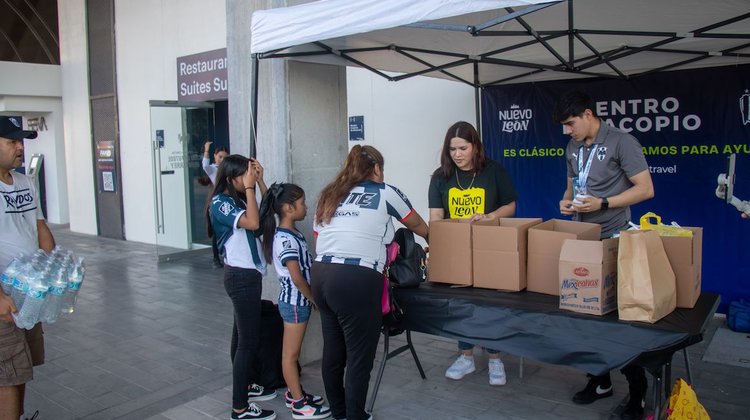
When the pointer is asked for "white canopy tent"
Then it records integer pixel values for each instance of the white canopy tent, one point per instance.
(509, 40)
(492, 42)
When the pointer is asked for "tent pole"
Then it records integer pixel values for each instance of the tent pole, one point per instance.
(571, 28)
(477, 110)
(254, 106)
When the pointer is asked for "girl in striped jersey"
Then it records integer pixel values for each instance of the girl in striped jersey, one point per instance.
(292, 260)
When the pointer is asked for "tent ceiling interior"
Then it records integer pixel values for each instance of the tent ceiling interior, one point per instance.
(501, 42)
(28, 31)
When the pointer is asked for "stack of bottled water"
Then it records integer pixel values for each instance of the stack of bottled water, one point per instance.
(43, 285)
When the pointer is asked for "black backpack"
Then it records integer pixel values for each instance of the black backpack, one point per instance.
(410, 266)
(266, 368)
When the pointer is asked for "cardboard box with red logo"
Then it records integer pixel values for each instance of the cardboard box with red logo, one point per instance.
(450, 252)
(588, 276)
(545, 242)
(499, 253)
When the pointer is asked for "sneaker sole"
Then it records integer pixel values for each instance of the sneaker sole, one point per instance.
(456, 378)
(316, 416)
(271, 417)
(261, 397)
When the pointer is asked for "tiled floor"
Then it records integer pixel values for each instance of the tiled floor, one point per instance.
(151, 340)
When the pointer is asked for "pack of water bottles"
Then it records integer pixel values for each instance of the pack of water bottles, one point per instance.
(43, 285)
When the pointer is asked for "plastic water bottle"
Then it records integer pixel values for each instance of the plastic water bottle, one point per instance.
(21, 285)
(75, 278)
(53, 305)
(28, 314)
(10, 273)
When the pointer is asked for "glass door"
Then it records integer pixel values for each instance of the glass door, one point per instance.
(181, 188)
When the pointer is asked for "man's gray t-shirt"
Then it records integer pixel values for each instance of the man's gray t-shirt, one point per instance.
(619, 156)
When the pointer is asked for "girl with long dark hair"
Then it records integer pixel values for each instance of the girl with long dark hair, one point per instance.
(234, 218)
(286, 246)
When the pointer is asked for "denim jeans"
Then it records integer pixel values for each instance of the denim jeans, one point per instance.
(244, 288)
(462, 345)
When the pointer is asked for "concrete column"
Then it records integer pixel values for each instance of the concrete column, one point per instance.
(301, 131)
(79, 161)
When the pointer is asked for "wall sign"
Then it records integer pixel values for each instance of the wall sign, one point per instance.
(357, 128)
(202, 76)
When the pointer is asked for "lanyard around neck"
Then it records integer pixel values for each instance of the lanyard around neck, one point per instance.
(583, 171)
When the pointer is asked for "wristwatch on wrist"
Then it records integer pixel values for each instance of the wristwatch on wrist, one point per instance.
(605, 203)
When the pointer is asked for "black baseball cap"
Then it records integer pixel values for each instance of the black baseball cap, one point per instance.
(10, 128)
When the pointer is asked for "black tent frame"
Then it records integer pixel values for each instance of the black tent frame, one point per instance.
(571, 65)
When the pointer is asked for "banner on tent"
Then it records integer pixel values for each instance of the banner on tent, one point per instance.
(687, 121)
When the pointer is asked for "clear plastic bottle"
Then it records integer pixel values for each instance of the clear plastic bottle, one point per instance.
(7, 277)
(28, 313)
(21, 284)
(53, 305)
(75, 278)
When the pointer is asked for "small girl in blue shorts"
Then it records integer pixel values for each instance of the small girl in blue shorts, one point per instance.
(292, 260)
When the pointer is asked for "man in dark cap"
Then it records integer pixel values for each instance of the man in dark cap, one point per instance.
(22, 231)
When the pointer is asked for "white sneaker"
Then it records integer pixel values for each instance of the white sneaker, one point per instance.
(463, 366)
(496, 370)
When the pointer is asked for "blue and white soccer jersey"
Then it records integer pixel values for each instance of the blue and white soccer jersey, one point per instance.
(291, 246)
(237, 246)
(361, 226)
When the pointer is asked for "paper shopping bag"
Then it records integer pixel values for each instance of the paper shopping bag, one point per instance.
(684, 405)
(646, 289)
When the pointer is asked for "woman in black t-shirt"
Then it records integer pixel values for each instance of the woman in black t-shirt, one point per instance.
(467, 185)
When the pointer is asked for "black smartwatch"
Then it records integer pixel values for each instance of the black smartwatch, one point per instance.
(605, 203)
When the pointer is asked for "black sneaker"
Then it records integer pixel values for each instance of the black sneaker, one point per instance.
(218, 264)
(594, 391)
(305, 409)
(633, 410)
(253, 412)
(288, 400)
(258, 393)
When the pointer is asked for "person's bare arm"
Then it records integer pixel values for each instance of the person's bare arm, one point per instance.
(46, 240)
(437, 214)
(416, 224)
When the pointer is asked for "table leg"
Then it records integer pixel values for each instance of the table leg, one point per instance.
(667, 378)
(414, 354)
(687, 366)
(387, 355)
(378, 378)
(658, 376)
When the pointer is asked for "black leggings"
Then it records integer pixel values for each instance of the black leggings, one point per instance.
(348, 297)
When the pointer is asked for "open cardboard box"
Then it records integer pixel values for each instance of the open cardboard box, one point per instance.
(545, 243)
(588, 276)
(499, 253)
(450, 252)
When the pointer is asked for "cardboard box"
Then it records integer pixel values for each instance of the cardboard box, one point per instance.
(686, 258)
(450, 252)
(588, 276)
(545, 242)
(499, 253)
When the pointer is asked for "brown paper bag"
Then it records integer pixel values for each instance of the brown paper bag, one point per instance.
(646, 289)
